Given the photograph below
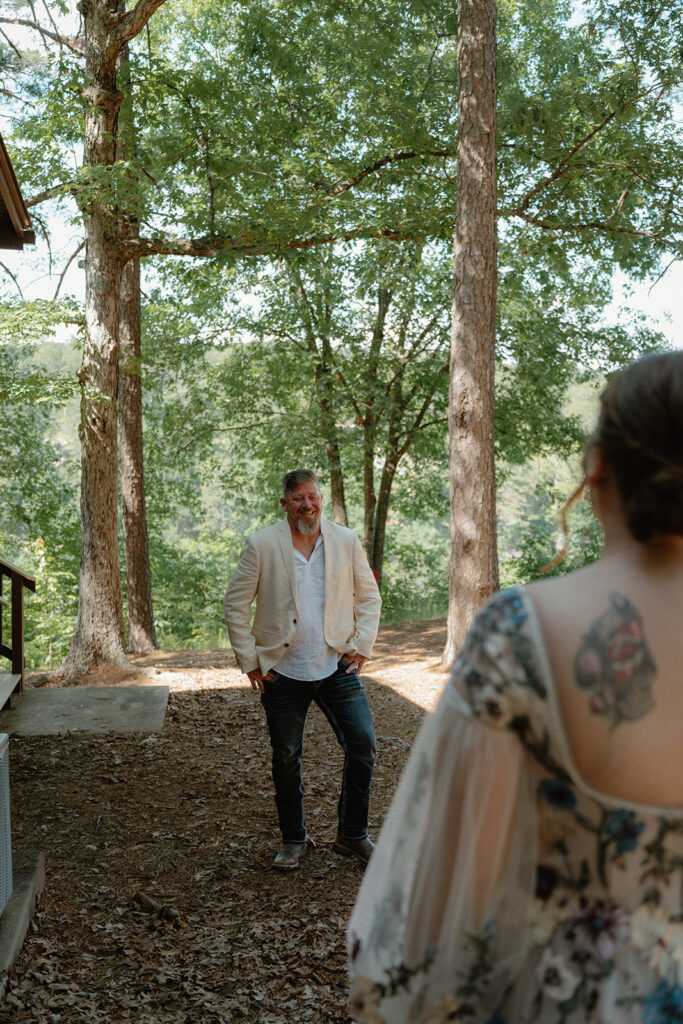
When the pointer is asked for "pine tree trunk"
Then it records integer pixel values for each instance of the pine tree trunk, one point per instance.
(141, 632)
(99, 634)
(474, 563)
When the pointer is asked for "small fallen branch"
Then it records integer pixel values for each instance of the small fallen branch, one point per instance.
(151, 906)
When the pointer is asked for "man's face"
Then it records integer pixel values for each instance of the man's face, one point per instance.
(304, 507)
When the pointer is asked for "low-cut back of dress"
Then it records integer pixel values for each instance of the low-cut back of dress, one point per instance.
(504, 889)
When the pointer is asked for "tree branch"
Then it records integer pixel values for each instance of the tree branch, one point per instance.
(62, 40)
(55, 26)
(10, 274)
(48, 193)
(130, 25)
(302, 301)
(350, 393)
(66, 267)
(598, 225)
(227, 430)
(36, 218)
(559, 170)
(416, 349)
(659, 277)
(344, 186)
(35, 19)
(138, 248)
(616, 212)
(433, 423)
(279, 332)
(13, 96)
(562, 166)
(442, 372)
(11, 44)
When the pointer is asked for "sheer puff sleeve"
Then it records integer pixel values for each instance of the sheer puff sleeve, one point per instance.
(438, 931)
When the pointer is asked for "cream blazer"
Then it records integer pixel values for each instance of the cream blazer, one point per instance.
(265, 571)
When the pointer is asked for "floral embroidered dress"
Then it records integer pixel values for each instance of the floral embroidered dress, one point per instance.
(504, 890)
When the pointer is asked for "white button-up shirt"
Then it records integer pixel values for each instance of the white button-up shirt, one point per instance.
(309, 657)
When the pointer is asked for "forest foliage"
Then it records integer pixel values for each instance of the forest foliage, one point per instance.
(265, 127)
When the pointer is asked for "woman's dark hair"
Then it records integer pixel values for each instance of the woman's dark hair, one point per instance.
(640, 433)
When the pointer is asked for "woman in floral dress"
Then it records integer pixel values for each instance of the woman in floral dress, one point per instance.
(530, 869)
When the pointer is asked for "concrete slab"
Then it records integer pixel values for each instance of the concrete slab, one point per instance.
(28, 880)
(50, 711)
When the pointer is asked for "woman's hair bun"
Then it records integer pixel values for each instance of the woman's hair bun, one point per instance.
(640, 432)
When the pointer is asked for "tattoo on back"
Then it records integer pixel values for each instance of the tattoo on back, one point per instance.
(614, 666)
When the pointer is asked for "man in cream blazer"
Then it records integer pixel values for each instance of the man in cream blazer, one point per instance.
(316, 619)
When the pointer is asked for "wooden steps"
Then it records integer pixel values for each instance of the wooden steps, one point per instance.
(8, 683)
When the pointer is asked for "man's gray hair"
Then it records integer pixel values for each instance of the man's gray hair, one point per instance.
(296, 477)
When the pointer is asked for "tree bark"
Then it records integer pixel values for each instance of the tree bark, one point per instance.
(384, 299)
(321, 376)
(381, 514)
(334, 464)
(99, 634)
(337, 495)
(474, 563)
(141, 632)
(316, 327)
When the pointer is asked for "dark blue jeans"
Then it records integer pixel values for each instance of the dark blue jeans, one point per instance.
(342, 700)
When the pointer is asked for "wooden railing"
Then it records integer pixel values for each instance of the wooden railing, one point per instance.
(13, 682)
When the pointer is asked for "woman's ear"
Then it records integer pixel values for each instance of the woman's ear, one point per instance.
(596, 468)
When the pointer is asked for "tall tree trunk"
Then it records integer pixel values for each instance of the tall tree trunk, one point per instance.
(141, 632)
(316, 328)
(474, 564)
(99, 634)
(370, 419)
(337, 495)
(369, 497)
(381, 514)
(329, 430)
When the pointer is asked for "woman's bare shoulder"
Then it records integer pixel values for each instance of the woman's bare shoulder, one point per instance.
(561, 588)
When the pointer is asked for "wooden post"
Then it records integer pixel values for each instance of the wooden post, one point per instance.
(18, 630)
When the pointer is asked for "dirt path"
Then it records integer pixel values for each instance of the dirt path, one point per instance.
(160, 905)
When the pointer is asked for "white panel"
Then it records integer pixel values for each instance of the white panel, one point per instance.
(5, 837)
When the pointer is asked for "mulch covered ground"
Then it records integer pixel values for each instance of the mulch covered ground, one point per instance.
(160, 905)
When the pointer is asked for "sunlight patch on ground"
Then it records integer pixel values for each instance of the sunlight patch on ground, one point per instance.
(178, 681)
(421, 681)
(407, 664)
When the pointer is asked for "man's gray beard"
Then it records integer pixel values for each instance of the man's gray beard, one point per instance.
(308, 526)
